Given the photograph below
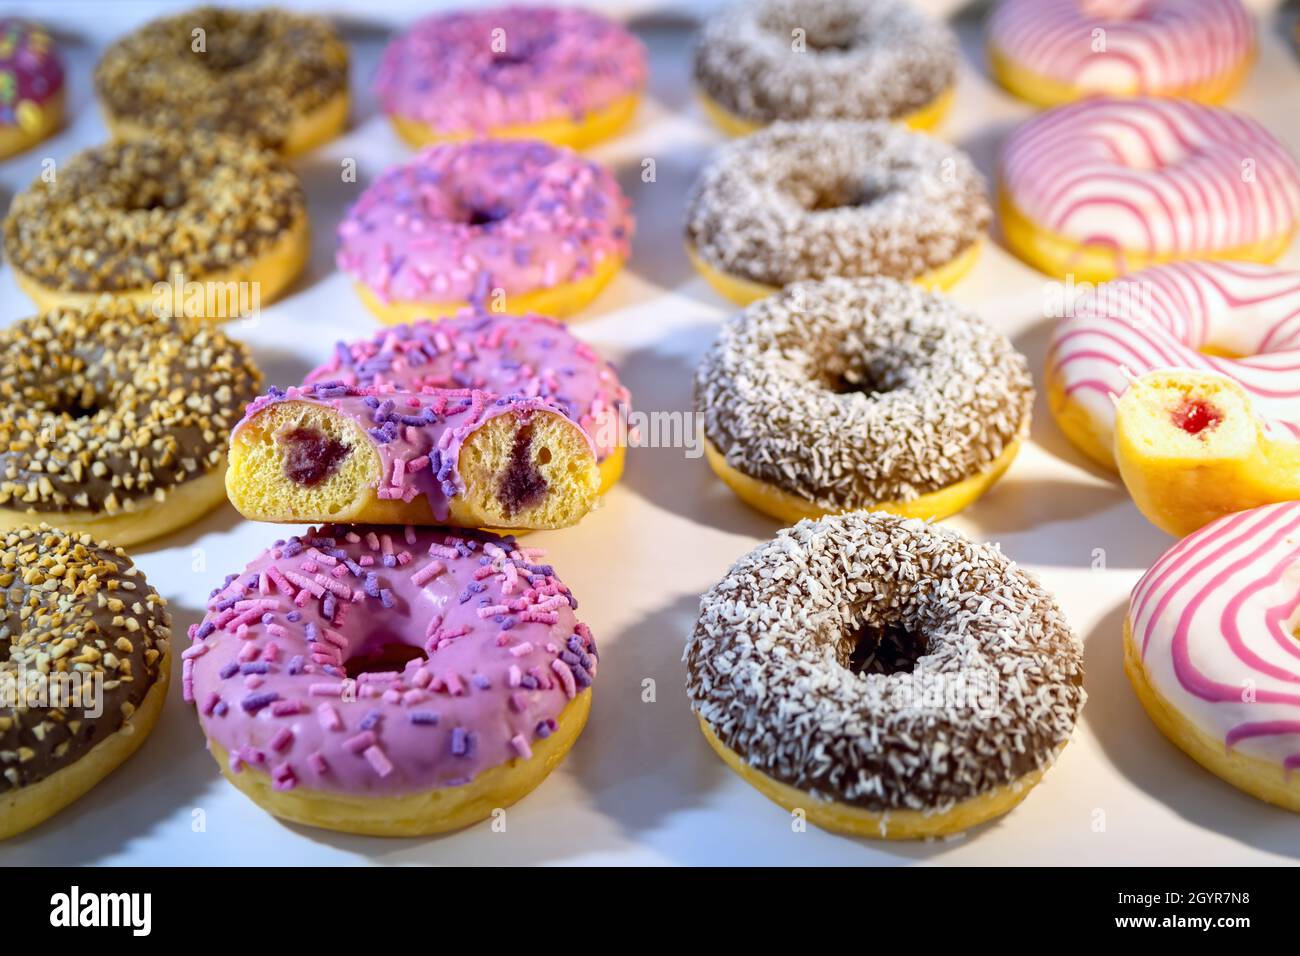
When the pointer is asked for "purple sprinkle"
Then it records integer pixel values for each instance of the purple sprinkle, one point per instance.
(386, 597)
(481, 682)
(426, 717)
(230, 670)
(293, 617)
(255, 667)
(255, 702)
(544, 728)
(371, 720)
(221, 709)
(296, 664)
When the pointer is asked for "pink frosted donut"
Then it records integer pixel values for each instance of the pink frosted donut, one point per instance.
(510, 224)
(31, 85)
(528, 355)
(570, 77)
(1211, 649)
(1053, 51)
(1107, 186)
(1178, 316)
(390, 680)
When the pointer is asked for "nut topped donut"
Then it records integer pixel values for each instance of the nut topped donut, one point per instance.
(389, 680)
(277, 78)
(115, 421)
(31, 85)
(819, 199)
(529, 355)
(124, 218)
(888, 677)
(861, 394)
(757, 63)
(84, 667)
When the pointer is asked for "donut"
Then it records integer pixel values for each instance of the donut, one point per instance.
(527, 355)
(867, 394)
(114, 421)
(31, 86)
(382, 455)
(1107, 186)
(567, 77)
(273, 77)
(84, 673)
(837, 198)
(390, 681)
(510, 225)
(1051, 52)
(1209, 649)
(884, 676)
(772, 60)
(132, 219)
(1191, 449)
(1236, 319)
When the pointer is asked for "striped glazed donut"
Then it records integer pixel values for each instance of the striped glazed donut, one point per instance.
(1178, 316)
(1054, 51)
(1211, 650)
(1108, 186)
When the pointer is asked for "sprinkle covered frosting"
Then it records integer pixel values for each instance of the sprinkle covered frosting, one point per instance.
(258, 71)
(784, 664)
(849, 393)
(824, 59)
(818, 199)
(80, 630)
(482, 70)
(124, 216)
(386, 660)
(111, 407)
(531, 356)
(462, 220)
(31, 73)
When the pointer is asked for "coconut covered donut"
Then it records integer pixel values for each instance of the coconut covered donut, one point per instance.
(124, 218)
(114, 421)
(757, 63)
(389, 680)
(888, 677)
(274, 77)
(861, 394)
(819, 199)
(84, 667)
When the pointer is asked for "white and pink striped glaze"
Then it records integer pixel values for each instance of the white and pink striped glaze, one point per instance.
(1214, 624)
(1155, 177)
(1151, 46)
(1163, 317)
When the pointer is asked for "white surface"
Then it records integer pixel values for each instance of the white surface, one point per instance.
(641, 786)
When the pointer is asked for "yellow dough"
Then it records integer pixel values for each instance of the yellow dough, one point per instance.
(1058, 256)
(576, 134)
(260, 491)
(744, 291)
(1267, 781)
(1183, 480)
(419, 814)
(270, 273)
(140, 520)
(927, 117)
(892, 825)
(789, 508)
(305, 133)
(557, 301)
(1079, 424)
(1044, 91)
(25, 807)
(41, 123)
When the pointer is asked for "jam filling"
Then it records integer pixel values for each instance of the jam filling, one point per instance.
(1195, 415)
(311, 457)
(521, 483)
(891, 649)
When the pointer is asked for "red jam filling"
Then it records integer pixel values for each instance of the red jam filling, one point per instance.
(1195, 415)
(521, 483)
(311, 457)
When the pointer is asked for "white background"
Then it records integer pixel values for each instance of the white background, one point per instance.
(641, 786)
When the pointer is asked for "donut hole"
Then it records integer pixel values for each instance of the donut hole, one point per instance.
(860, 374)
(826, 29)
(382, 652)
(882, 648)
(149, 194)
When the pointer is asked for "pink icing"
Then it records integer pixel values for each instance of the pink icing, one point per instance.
(462, 220)
(483, 70)
(31, 73)
(530, 355)
(418, 435)
(1146, 46)
(486, 653)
